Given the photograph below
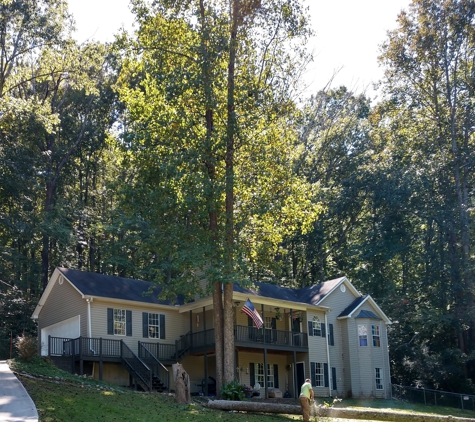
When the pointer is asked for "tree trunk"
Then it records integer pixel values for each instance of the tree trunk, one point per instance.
(50, 189)
(228, 332)
(329, 412)
(182, 384)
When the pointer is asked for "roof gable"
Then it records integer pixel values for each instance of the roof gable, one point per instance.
(106, 286)
(351, 310)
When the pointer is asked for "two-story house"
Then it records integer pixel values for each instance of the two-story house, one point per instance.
(118, 330)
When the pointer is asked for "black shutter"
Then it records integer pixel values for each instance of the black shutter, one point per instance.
(310, 328)
(162, 326)
(276, 376)
(333, 378)
(145, 324)
(110, 321)
(312, 374)
(128, 323)
(252, 374)
(331, 340)
(325, 374)
(324, 329)
(273, 323)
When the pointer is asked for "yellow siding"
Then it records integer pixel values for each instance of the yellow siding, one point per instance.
(176, 324)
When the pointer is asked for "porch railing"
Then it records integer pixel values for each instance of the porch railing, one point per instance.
(84, 347)
(158, 369)
(251, 334)
(140, 371)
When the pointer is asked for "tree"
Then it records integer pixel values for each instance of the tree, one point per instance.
(207, 103)
(429, 65)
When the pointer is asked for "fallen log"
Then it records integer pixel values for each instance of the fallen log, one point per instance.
(332, 412)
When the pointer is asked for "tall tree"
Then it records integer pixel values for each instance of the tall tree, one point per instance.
(207, 103)
(430, 67)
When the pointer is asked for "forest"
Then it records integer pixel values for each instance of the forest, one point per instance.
(188, 149)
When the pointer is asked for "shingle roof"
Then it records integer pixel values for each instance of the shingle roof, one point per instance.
(311, 295)
(352, 306)
(101, 285)
(367, 314)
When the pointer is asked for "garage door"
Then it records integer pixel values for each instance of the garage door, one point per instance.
(69, 328)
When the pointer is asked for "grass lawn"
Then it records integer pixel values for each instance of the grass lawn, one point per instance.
(60, 396)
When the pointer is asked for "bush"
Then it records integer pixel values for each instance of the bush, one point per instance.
(27, 347)
(232, 391)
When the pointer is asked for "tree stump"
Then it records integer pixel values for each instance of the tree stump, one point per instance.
(182, 384)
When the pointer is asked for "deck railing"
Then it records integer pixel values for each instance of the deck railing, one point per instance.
(158, 369)
(84, 347)
(251, 334)
(161, 351)
(143, 375)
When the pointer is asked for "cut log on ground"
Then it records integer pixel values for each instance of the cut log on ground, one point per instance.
(331, 412)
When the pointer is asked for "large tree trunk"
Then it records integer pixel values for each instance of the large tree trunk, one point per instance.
(50, 191)
(329, 412)
(229, 365)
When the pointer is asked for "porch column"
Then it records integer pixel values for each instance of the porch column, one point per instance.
(296, 387)
(205, 355)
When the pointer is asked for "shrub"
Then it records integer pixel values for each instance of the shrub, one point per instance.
(27, 347)
(232, 391)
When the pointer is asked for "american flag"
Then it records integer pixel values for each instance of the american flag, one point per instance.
(249, 309)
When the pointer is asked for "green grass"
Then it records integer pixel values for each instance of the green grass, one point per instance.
(60, 396)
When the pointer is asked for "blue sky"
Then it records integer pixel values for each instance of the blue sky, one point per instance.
(348, 33)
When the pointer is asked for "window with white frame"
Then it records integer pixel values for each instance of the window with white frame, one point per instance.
(317, 327)
(376, 336)
(319, 375)
(379, 378)
(153, 325)
(259, 375)
(363, 334)
(119, 322)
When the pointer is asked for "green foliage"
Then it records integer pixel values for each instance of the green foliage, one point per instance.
(16, 320)
(232, 391)
(27, 347)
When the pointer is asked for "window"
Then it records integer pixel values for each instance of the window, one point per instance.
(319, 375)
(259, 375)
(363, 334)
(119, 322)
(317, 327)
(379, 378)
(376, 336)
(154, 325)
(268, 322)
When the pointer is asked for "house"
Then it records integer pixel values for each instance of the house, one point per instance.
(116, 329)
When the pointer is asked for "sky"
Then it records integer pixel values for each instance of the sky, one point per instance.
(348, 34)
